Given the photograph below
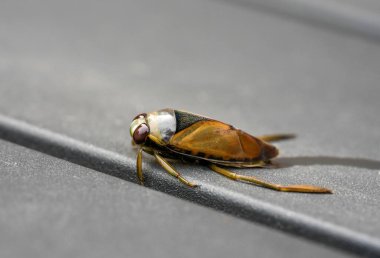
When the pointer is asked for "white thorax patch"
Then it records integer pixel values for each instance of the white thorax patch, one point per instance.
(162, 124)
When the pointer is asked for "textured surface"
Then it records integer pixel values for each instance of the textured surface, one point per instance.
(50, 207)
(88, 76)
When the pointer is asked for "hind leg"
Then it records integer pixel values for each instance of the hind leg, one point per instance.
(277, 187)
(276, 137)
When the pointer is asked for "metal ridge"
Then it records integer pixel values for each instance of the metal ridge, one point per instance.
(237, 204)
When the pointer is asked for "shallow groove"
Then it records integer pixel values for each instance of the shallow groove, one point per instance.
(339, 17)
(237, 204)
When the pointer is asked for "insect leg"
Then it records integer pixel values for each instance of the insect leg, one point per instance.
(276, 137)
(139, 166)
(171, 170)
(282, 188)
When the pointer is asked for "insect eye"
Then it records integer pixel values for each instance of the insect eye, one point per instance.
(139, 116)
(140, 134)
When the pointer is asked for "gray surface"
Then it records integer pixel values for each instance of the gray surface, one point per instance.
(357, 17)
(87, 76)
(52, 208)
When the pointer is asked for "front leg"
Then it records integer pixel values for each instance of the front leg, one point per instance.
(139, 166)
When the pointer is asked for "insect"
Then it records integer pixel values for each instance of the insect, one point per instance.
(174, 134)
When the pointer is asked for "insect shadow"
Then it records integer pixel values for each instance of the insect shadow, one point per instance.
(285, 162)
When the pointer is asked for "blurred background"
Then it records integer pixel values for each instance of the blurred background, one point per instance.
(84, 69)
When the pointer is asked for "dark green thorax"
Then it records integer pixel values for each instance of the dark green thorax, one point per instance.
(185, 119)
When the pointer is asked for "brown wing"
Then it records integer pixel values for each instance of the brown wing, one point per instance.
(214, 140)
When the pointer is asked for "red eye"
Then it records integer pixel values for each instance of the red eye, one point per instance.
(139, 115)
(140, 134)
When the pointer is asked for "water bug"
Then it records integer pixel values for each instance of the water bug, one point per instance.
(174, 134)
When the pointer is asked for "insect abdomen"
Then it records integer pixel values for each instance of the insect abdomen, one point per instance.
(210, 139)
